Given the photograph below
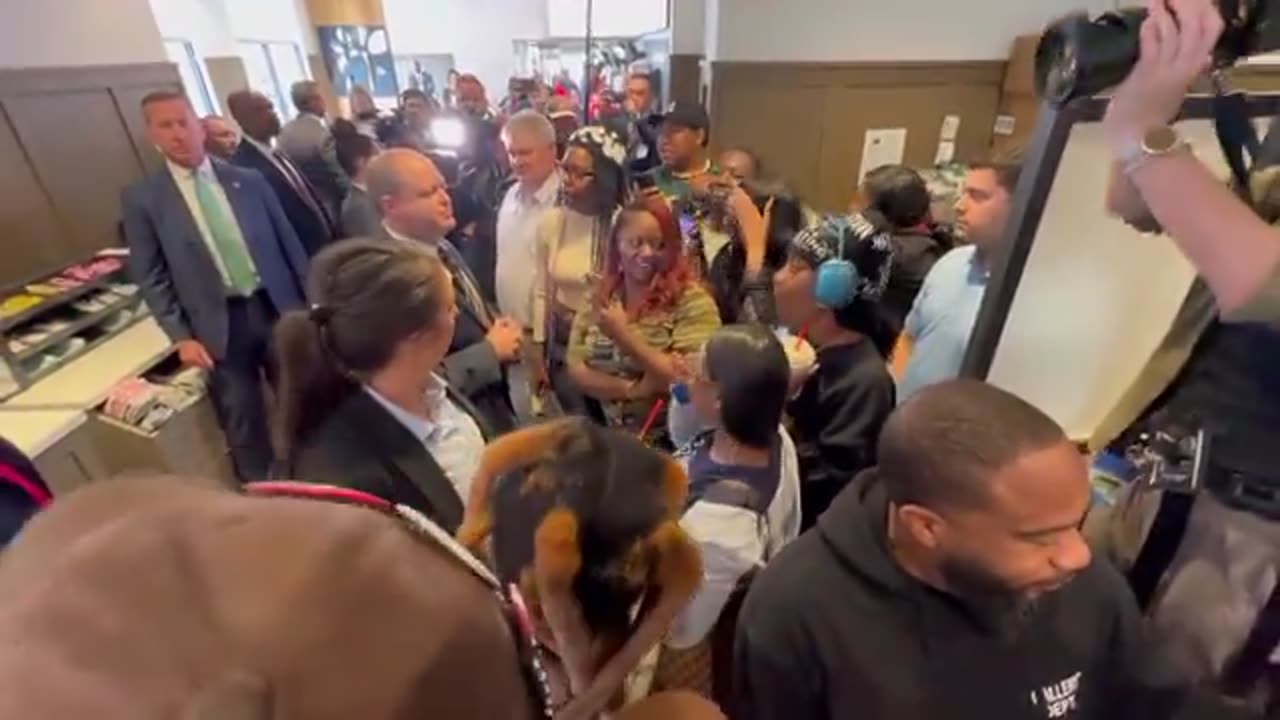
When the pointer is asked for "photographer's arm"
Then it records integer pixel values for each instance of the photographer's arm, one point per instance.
(1124, 201)
(1231, 248)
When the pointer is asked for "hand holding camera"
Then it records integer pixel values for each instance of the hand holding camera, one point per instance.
(1176, 41)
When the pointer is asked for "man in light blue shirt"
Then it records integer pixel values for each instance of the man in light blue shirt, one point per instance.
(938, 328)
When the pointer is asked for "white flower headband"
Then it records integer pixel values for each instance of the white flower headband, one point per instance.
(603, 138)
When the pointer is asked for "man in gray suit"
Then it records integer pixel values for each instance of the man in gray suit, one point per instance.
(310, 145)
(217, 262)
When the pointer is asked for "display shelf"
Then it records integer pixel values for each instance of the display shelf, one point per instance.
(87, 379)
(78, 325)
(54, 301)
(38, 375)
(89, 325)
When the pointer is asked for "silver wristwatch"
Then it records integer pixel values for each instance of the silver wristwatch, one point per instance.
(1155, 143)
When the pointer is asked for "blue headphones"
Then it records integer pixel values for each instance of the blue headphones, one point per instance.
(835, 284)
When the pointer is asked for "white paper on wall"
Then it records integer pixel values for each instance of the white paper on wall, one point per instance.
(1005, 125)
(946, 152)
(885, 146)
(950, 128)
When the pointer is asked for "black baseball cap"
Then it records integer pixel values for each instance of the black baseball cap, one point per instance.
(688, 114)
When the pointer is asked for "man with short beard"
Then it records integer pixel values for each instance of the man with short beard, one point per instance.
(952, 582)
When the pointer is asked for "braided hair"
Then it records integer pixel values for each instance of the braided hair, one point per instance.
(863, 239)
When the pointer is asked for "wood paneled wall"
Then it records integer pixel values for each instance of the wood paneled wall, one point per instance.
(807, 121)
(71, 139)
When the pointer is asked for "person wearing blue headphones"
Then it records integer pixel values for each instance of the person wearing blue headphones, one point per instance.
(829, 292)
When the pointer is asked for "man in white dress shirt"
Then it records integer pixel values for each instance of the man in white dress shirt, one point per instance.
(531, 146)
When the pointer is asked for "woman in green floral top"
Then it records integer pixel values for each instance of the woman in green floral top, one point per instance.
(647, 313)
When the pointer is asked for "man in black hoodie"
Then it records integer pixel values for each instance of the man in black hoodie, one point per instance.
(952, 583)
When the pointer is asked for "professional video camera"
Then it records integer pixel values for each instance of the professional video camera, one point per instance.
(1079, 56)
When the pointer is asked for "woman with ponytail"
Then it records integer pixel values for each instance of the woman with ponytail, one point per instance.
(359, 403)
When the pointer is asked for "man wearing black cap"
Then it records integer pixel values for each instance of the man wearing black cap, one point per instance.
(687, 177)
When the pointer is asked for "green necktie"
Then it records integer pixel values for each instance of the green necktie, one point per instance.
(243, 279)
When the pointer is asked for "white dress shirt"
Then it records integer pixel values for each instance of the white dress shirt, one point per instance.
(182, 177)
(518, 219)
(451, 436)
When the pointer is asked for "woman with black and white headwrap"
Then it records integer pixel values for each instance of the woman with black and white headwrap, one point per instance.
(830, 292)
(570, 249)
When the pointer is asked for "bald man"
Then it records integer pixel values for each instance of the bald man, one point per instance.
(220, 137)
(412, 199)
(304, 207)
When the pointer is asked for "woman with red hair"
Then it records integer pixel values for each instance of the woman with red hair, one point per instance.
(647, 313)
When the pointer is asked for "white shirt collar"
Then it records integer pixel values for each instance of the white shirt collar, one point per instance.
(314, 117)
(205, 169)
(395, 235)
(543, 196)
(421, 428)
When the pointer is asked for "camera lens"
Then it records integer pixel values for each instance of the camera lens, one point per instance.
(1080, 57)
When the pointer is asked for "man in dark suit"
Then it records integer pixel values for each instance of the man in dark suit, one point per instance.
(302, 205)
(217, 261)
(413, 200)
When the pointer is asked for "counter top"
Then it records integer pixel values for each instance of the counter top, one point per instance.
(34, 431)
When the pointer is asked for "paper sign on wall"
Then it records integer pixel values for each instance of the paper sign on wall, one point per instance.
(946, 152)
(1005, 125)
(882, 147)
(950, 128)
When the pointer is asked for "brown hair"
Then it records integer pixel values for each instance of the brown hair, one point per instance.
(1006, 164)
(368, 296)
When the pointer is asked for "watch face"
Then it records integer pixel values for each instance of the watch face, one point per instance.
(1160, 140)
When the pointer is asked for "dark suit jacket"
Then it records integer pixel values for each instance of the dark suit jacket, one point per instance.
(314, 229)
(175, 270)
(363, 447)
(471, 367)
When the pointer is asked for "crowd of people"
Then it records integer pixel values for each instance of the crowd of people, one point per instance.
(546, 420)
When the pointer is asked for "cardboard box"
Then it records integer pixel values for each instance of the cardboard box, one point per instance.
(190, 443)
(1020, 72)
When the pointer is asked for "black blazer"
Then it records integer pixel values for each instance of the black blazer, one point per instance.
(307, 216)
(363, 447)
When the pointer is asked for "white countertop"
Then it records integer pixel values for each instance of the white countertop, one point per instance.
(34, 431)
(53, 408)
